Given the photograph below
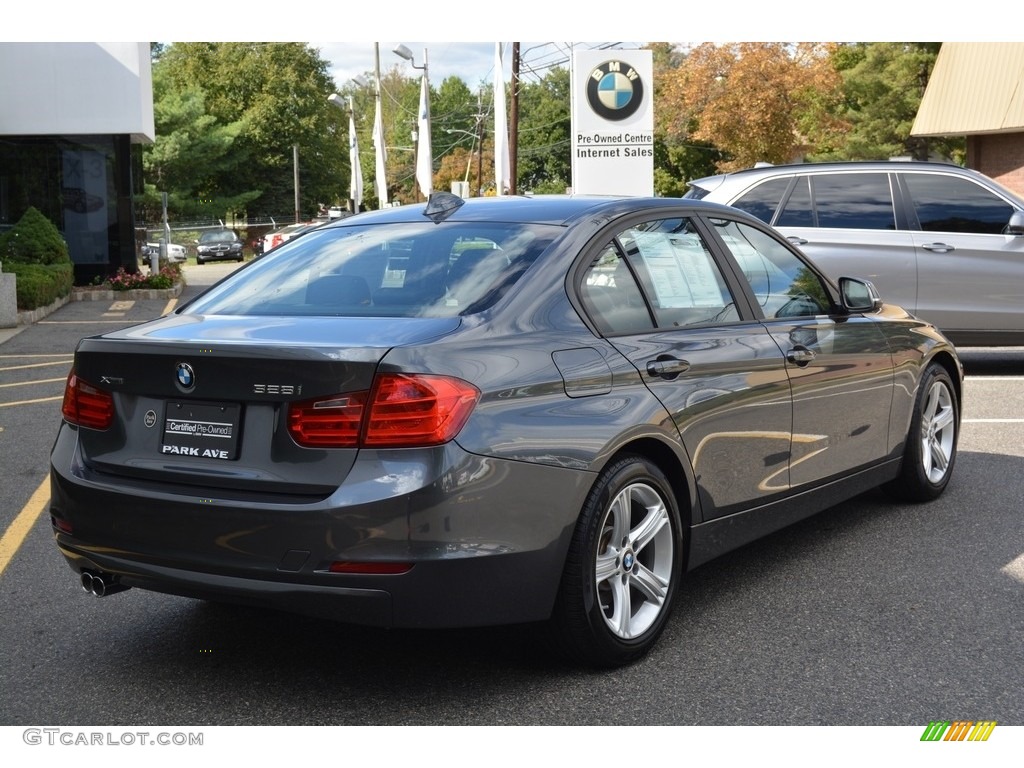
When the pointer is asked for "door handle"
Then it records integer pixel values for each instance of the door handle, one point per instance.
(938, 247)
(667, 367)
(800, 356)
(796, 240)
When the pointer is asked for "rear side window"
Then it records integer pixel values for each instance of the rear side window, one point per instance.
(840, 200)
(951, 204)
(853, 201)
(763, 200)
(659, 269)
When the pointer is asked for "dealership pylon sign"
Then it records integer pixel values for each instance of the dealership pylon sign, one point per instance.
(613, 122)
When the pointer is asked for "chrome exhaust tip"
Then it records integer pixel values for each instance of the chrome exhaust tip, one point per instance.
(101, 584)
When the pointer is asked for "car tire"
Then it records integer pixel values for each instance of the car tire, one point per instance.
(622, 569)
(931, 440)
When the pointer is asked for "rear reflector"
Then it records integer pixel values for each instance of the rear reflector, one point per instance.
(85, 405)
(375, 569)
(401, 411)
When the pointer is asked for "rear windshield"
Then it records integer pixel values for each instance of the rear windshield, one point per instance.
(395, 270)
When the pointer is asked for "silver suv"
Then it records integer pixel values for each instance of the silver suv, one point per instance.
(944, 242)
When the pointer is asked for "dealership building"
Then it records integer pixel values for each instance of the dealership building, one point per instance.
(71, 113)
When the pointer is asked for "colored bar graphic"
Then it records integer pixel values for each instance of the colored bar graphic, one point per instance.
(958, 730)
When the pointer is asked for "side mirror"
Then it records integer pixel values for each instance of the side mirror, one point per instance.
(1016, 225)
(859, 296)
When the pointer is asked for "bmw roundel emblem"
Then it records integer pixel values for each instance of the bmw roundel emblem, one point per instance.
(186, 376)
(615, 90)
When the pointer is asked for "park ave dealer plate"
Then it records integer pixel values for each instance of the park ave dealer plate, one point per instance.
(203, 430)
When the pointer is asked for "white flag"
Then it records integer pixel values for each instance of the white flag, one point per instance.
(502, 175)
(424, 164)
(356, 187)
(381, 153)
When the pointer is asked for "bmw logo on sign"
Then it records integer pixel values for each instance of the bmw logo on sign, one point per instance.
(186, 376)
(615, 90)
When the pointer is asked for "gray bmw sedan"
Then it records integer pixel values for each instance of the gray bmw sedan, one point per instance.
(494, 411)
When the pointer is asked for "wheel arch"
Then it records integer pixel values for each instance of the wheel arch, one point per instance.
(949, 363)
(676, 471)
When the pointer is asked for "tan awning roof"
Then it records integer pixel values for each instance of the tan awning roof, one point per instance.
(974, 88)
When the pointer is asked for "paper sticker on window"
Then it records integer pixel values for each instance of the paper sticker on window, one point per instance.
(680, 269)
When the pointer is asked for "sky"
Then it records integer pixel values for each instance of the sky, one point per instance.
(473, 62)
(470, 25)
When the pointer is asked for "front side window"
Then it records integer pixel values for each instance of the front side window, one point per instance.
(783, 285)
(952, 204)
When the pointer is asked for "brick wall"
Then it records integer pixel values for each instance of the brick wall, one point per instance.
(999, 156)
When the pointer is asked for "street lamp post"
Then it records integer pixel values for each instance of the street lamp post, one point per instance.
(424, 162)
(355, 198)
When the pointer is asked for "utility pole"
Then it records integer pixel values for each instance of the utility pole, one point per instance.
(513, 133)
(295, 163)
(479, 140)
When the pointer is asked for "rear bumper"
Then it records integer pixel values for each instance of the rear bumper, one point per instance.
(486, 539)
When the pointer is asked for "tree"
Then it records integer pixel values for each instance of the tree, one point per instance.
(275, 96)
(883, 85)
(192, 152)
(545, 134)
(677, 157)
(753, 101)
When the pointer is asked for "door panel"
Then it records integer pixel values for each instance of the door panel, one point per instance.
(842, 378)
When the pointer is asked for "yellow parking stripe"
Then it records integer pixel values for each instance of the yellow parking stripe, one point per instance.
(16, 533)
(34, 381)
(65, 361)
(32, 402)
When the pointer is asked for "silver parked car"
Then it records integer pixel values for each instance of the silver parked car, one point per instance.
(493, 411)
(944, 242)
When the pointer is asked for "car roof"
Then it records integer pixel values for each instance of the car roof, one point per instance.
(844, 165)
(561, 210)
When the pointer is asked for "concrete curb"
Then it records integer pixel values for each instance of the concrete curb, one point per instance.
(29, 316)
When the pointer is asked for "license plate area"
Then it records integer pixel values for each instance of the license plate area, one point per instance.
(201, 430)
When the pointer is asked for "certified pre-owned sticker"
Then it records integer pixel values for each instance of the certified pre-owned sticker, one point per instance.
(203, 430)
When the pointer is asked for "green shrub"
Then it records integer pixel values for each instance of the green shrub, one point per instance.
(33, 240)
(39, 285)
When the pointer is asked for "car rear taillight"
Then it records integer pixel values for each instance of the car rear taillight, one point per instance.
(400, 411)
(330, 422)
(85, 405)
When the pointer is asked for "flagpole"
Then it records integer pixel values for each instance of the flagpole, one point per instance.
(501, 162)
(424, 161)
(379, 145)
(356, 182)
